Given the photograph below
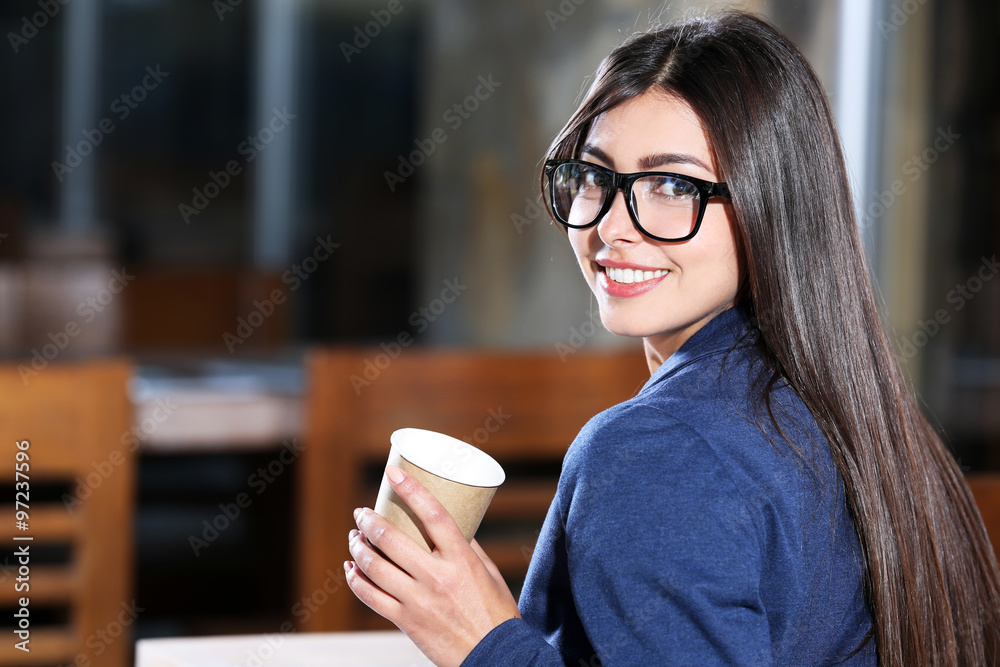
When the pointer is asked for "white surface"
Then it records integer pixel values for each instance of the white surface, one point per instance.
(215, 405)
(447, 457)
(186, 419)
(349, 649)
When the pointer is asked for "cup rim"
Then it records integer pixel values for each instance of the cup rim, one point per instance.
(489, 467)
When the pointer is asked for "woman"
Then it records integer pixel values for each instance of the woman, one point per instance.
(773, 494)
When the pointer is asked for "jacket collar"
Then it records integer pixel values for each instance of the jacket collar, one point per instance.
(722, 333)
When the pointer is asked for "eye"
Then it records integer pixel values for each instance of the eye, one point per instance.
(589, 182)
(667, 186)
(590, 178)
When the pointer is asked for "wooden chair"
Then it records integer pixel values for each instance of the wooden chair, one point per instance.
(986, 490)
(524, 409)
(80, 500)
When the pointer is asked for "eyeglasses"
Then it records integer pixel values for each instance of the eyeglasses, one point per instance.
(663, 206)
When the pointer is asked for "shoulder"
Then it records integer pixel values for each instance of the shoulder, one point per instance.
(697, 443)
(650, 510)
(700, 419)
(636, 433)
(636, 461)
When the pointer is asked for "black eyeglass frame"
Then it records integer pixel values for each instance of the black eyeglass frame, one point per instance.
(706, 189)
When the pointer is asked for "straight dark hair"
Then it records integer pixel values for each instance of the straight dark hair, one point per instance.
(931, 575)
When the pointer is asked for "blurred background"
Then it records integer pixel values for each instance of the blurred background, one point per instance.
(211, 188)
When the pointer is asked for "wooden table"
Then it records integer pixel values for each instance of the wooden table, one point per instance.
(334, 649)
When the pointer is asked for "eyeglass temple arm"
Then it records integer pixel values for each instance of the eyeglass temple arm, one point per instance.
(719, 190)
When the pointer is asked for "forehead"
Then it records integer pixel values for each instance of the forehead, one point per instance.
(652, 123)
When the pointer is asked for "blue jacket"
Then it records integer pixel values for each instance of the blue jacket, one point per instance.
(685, 531)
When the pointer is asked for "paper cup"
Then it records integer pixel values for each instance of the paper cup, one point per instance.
(461, 477)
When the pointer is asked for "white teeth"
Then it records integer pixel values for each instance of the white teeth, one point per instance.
(629, 276)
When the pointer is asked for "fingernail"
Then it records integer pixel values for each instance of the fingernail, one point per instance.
(354, 533)
(357, 513)
(348, 565)
(394, 474)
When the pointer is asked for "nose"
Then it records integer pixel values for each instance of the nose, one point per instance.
(616, 227)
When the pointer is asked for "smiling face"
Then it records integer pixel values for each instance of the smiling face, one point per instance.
(681, 285)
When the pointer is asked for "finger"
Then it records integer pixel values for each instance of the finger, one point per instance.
(376, 599)
(487, 561)
(438, 523)
(382, 573)
(401, 549)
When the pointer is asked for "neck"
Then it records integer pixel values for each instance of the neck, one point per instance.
(661, 346)
(654, 354)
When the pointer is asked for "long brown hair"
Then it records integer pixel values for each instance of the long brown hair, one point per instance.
(931, 576)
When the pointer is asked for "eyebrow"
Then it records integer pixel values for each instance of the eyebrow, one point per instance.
(649, 162)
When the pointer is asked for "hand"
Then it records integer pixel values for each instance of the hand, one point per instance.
(445, 601)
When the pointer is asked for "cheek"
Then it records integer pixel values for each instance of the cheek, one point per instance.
(715, 264)
(580, 240)
(729, 251)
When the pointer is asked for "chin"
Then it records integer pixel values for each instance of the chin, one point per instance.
(627, 326)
